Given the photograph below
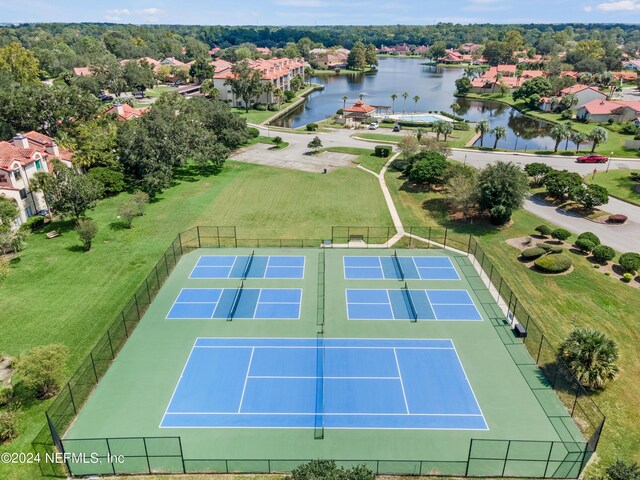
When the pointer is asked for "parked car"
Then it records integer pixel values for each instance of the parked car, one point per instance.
(592, 159)
(138, 95)
(373, 126)
(397, 127)
(105, 97)
(177, 83)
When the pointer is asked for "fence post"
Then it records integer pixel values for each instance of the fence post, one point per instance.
(446, 230)
(180, 241)
(113, 466)
(146, 281)
(93, 364)
(469, 245)
(540, 348)
(73, 404)
(135, 297)
(110, 345)
(124, 323)
(184, 468)
(199, 242)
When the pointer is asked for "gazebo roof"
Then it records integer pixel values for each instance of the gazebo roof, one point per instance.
(359, 107)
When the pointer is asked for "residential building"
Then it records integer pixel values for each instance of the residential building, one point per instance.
(625, 76)
(631, 65)
(584, 94)
(20, 160)
(125, 111)
(82, 72)
(421, 50)
(603, 110)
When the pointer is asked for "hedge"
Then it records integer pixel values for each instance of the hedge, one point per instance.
(543, 230)
(619, 218)
(603, 254)
(585, 245)
(312, 127)
(554, 263)
(555, 249)
(382, 151)
(533, 252)
(592, 237)
(33, 223)
(253, 132)
(627, 277)
(561, 234)
(630, 262)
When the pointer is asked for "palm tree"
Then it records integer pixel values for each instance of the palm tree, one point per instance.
(499, 133)
(447, 129)
(598, 135)
(578, 138)
(482, 127)
(591, 356)
(569, 126)
(558, 133)
(419, 133)
(393, 103)
(455, 108)
(415, 103)
(344, 102)
(437, 129)
(405, 95)
(361, 96)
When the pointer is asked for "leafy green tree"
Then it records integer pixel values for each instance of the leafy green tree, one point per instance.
(127, 211)
(9, 212)
(245, 83)
(537, 171)
(19, 63)
(428, 168)
(201, 70)
(591, 356)
(96, 143)
(408, 146)
(562, 184)
(87, 230)
(503, 188)
(620, 470)
(437, 50)
(315, 144)
(514, 39)
(578, 138)
(463, 192)
(357, 59)
(41, 370)
(538, 85)
(499, 133)
(591, 196)
(497, 52)
(482, 128)
(208, 89)
(138, 76)
(598, 135)
(371, 55)
(463, 86)
(112, 181)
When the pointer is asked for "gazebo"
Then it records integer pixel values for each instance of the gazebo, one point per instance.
(357, 113)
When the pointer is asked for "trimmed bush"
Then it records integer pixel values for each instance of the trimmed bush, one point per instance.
(8, 423)
(607, 273)
(545, 246)
(592, 237)
(630, 262)
(33, 223)
(312, 127)
(554, 263)
(544, 230)
(561, 234)
(555, 249)
(277, 140)
(382, 151)
(627, 277)
(531, 253)
(596, 265)
(253, 132)
(6, 393)
(585, 245)
(603, 254)
(618, 218)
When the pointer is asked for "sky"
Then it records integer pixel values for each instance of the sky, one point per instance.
(320, 12)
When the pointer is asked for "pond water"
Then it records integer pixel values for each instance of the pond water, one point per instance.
(434, 85)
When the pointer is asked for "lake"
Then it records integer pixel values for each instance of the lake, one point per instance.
(434, 85)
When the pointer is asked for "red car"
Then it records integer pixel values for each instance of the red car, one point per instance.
(592, 159)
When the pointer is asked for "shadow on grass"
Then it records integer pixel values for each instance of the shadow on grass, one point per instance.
(118, 226)
(77, 248)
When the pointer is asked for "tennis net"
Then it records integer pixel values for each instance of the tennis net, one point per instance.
(236, 301)
(397, 265)
(247, 267)
(406, 293)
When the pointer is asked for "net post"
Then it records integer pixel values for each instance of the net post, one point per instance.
(446, 230)
(113, 466)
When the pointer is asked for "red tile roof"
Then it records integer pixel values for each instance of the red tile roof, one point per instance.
(126, 111)
(607, 107)
(359, 107)
(82, 72)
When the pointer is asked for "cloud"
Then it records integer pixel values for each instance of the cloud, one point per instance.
(150, 14)
(301, 3)
(588, 8)
(119, 12)
(485, 6)
(620, 6)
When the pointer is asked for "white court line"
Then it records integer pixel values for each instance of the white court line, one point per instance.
(329, 378)
(336, 414)
(232, 266)
(246, 376)
(393, 317)
(470, 387)
(335, 348)
(404, 395)
(175, 389)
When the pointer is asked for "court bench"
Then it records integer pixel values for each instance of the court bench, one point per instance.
(519, 330)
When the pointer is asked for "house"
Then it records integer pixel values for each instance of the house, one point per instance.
(215, 51)
(357, 113)
(125, 111)
(625, 76)
(403, 49)
(386, 50)
(20, 159)
(469, 48)
(264, 51)
(421, 50)
(332, 60)
(82, 72)
(454, 57)
(603, 110)
(631, 65)
(503, 75)
(584, 94)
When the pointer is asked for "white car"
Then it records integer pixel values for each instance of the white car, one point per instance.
(373, 126)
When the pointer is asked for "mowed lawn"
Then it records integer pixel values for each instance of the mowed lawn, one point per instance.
(584, 298)
(57, 293)
(618, 183)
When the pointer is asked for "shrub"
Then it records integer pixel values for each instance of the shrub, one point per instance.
(6, 393)
(555, 249)
(620, 470)
(627, 277)
(312, 127)
(630, 262)
(261, 107)
(253, 132)
(33, 223)
(382, 151)
(289, 95)
(273, 107)
(533, 252)
(5, 266)
(592, 237)
(127, 211)
(87, 230)
(554, 263)
(277, 140)
(607, 273)
(561, 234)
(618, 218)
(112, 181)
(584, 245)
(602, 254)
(545, 246)
(140, 199)
(596, 265)
(543, 230)
(8, 424)
(42, 369)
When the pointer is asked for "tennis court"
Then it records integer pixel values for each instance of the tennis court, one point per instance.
(236, 303)
(248, 266)
(399, 268)
(411, 304)
(342, 383)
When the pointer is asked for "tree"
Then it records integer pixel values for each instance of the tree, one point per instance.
(87, 230)
(482, 128)
(138, 76)
(9, 212)
(591, 356)
(127, 211)
(96, 143)
(562, 184)
(497, 52)
(591, 196)
(19, 63)
(201, 70)
(111, 180)
(315, 144)
(41, 370)
(245, 82)
(344, 101)
(437, 50)
(537, 171)
(405, 95)
(536, 86)
(598, 135)
(140, 199)
(503, 188)
(394, 97)
(463, 86)
(371, 55)
(514, 39)
(567, 102)
(499, 133)
(620, 470)
(357, 59)
(578, 138)
(209, 90)
(408, 146)
(558, 133)
(428, 168)
(462, 191)
(416, 99)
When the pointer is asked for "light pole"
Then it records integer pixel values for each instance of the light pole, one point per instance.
(465, 158)
(609, 162)
(517, 137)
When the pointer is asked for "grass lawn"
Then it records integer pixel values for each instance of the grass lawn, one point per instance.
(618, 183)
(159, 90)
(257, 116)
(583, 298)
(379, 137)
(366, 157)
(268, 141)
(458, 139)
(58, 294)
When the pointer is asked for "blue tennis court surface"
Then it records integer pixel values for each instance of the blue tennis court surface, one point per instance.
(259, 266)
(246, 303)
(412, 304)
(399, 268)
(339, 383)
